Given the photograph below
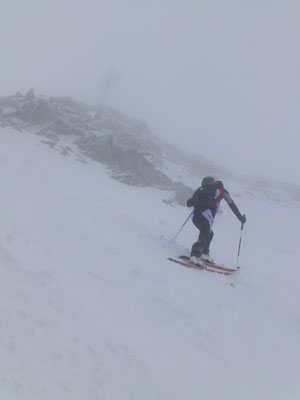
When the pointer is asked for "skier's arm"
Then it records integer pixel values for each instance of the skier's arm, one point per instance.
(191, 202)
(234, 208)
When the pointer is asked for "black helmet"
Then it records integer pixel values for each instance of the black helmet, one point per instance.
(208, 184)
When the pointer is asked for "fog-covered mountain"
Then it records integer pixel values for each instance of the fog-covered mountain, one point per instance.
(126, 146)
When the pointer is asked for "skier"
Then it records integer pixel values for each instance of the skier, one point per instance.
(206, 201)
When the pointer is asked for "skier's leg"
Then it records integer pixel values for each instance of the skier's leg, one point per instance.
(203, 225)
(206, 247)
(208, 215)
(205, 255)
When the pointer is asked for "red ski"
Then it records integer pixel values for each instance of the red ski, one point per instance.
(202, 268)
(208, 264)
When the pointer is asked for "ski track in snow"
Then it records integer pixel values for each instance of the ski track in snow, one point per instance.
(91, 309)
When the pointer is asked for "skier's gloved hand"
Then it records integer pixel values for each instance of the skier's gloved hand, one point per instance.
(242, 218)
(189, 203)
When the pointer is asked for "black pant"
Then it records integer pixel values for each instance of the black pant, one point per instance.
(205, 235)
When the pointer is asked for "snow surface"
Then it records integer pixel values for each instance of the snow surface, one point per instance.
(91, 309)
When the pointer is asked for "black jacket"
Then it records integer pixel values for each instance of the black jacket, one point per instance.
(202, 201)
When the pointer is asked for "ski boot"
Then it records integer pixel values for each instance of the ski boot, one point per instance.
(196, 253)
(196, 261)
(207, 258)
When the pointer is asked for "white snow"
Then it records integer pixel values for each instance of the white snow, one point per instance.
(91, 309)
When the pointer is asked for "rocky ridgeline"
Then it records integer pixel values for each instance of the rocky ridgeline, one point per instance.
(126, 146)
(133, 155)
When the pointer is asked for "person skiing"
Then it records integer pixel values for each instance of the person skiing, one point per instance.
(206, 201)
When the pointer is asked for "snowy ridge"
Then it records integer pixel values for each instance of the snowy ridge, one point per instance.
(91, 309)
(101, 133)
(125, 146)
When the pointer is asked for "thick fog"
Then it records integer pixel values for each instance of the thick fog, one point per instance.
(220, 78)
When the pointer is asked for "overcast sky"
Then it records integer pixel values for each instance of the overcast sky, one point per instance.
(220, 78)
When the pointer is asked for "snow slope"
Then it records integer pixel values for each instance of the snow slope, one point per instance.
(91, 309)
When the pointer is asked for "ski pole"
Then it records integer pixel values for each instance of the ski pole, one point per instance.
(182, 227)
(233, 284)
(239, 250)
